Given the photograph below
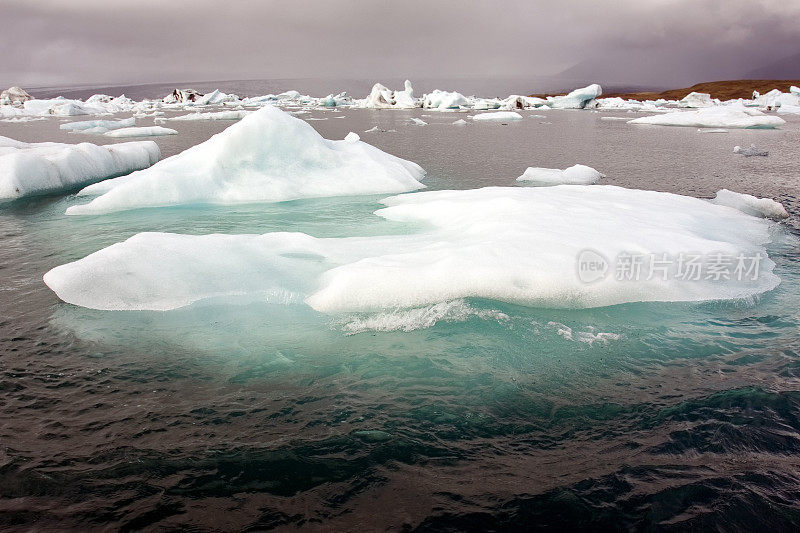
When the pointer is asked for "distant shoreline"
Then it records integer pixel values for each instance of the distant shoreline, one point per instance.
(724, 90)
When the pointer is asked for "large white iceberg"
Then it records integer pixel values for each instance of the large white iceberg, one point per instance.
(519, 245)
(574, 175)
(28, 169)
(270, 156)
(715, 117)
(758, 207)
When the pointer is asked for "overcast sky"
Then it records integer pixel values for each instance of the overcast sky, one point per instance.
(50, 42)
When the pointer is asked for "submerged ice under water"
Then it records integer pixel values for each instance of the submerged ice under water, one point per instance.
(463, 414)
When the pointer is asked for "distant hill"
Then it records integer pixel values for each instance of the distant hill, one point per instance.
(724, 90)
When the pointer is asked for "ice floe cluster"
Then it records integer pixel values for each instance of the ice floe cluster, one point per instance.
(696, 109)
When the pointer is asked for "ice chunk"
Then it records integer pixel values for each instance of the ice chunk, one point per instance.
(513, 244)
(697, 100)
(270, 156)
(28, 169)
(749, 152)
(759, 207)
(714, 117)
(577, 99)
(382, 97)
(574, 175)
(211, 115)
(182, 96)
(460, 122)
(712, 130)
(443, 100)
(14, 95)
(497, 116)
(98, 127)
(418, 122)
(151, 131)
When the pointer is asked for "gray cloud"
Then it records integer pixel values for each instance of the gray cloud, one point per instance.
(645, 41)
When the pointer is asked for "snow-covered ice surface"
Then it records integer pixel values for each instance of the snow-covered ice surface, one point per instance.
(746, 203)
(574, 175)
(270, 156)
(28, 169)
(714, 117)
(538, 232)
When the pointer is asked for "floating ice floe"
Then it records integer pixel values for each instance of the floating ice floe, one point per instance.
(148, 131)
(497, 116)
(460, 122)
(758, 207)
(712, 130)
(518, 245)
(714, 117)
(212, 115)
(98, 127)
(23, 119)
(750, 152)
(574, 175)
(418, 122)
(28, 169)
(270, 156)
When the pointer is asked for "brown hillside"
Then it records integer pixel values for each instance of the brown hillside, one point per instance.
(724, 90)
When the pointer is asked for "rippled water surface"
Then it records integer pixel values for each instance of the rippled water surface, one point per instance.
(470, 415)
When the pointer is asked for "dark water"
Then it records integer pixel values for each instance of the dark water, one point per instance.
(221, 417)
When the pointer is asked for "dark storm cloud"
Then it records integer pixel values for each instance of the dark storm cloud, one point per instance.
(650, 41)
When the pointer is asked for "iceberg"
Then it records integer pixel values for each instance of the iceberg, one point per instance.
(574, 175)
(418, 122)
(460, 122)
(697, 100)
(14, 95)
(714, 117)
(510, 244)
(750, 152)
(28, 169)
(98, 127)
(381, 97)
(497, 116)
(150, 131)
(577, 99)
(181, 96)
(270, 156)
(757, 207)
(443, 100)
